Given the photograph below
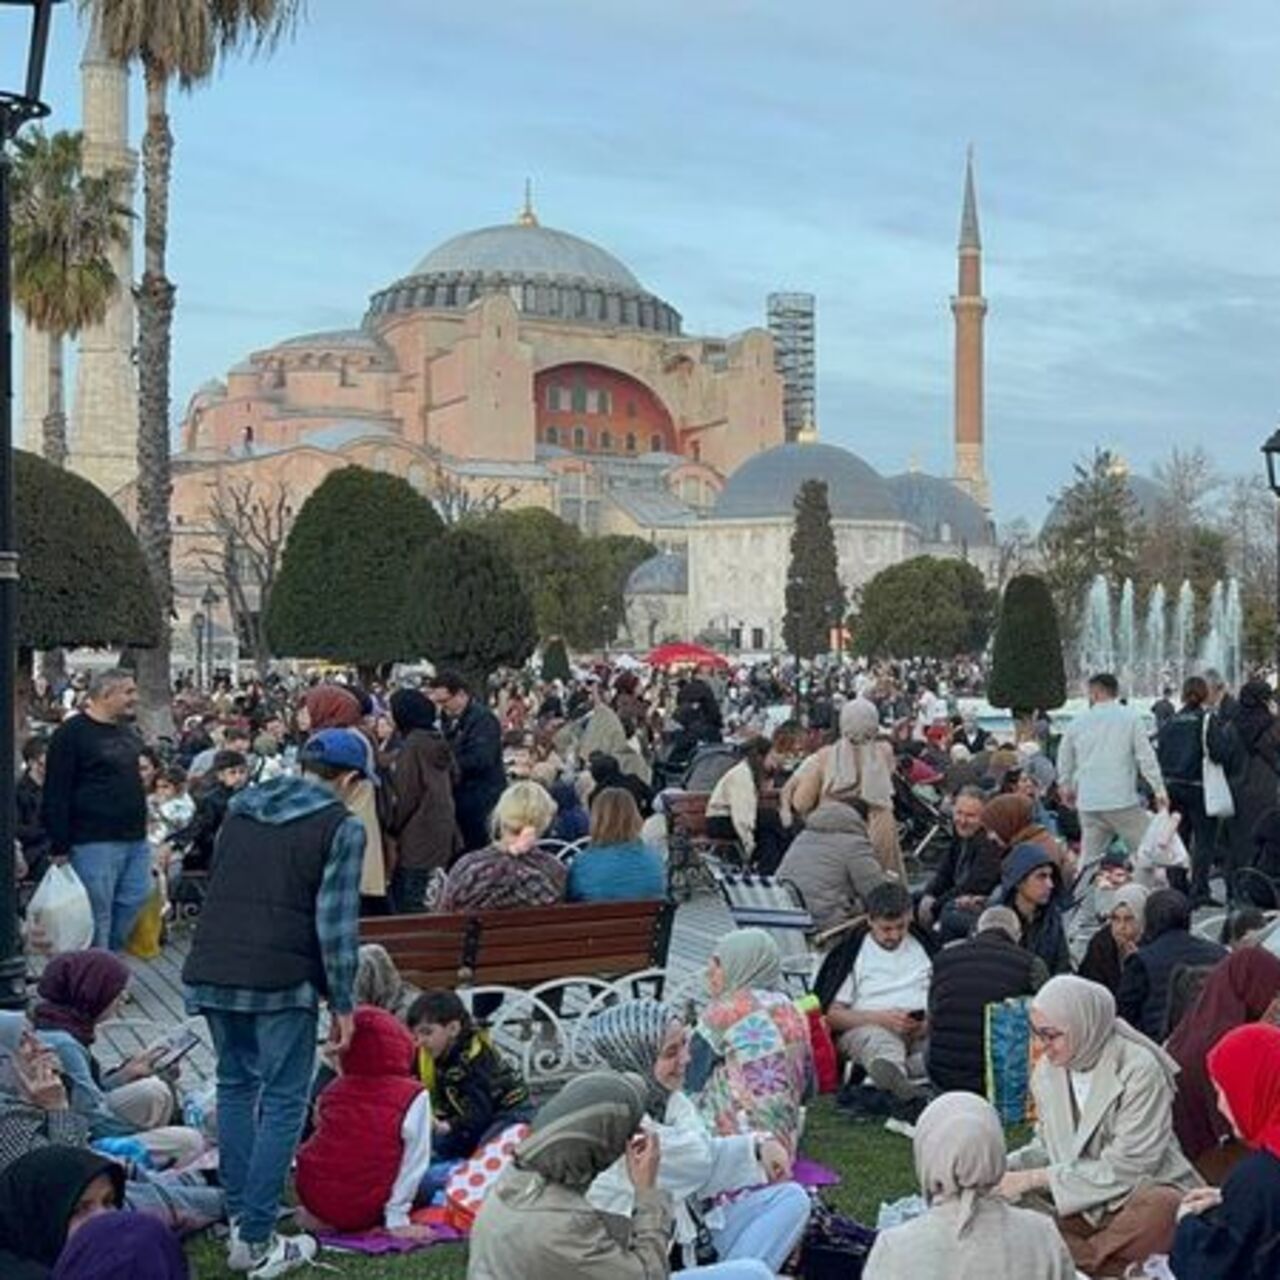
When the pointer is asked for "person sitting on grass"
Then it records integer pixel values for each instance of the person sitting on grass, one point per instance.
(475, 1091)
(969, 1232)
(122, 1246)
(1030, 884)
(362, 1166)
(45, 1198)
(1234, 1233)
(537, 1224)
(874, 990)
(722, 1202)
(1109, 948)
(1104, 1160)
(617, 866)
(79, 990)
(751, 1060)
(512, 871)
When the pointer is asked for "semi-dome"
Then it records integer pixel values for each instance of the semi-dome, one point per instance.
(666, 574)
(518, 249)
(766, 486)
(942, 511)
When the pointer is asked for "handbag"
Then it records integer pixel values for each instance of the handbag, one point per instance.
(1217, 791)
(835, 1247)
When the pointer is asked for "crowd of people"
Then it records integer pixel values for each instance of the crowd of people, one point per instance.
(946, 868)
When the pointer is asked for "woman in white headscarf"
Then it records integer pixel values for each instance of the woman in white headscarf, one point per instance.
(1104, 1159)
(857, 766)
(969, 1233)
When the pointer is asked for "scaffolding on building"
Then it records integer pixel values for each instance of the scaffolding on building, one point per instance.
(792, 323)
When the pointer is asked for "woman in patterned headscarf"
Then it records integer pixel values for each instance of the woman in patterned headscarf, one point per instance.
(698, 1168)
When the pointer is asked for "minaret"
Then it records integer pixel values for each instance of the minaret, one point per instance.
(104, 421)
(970, 308)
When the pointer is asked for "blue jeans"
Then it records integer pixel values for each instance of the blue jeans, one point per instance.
(116, 875)
(265, 1062)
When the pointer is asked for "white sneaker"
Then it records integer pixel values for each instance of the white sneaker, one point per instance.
(239, 1255)
(282, 1254)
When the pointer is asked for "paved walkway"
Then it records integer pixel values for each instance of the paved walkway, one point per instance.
(156, 1003)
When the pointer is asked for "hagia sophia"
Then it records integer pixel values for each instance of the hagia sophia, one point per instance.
(525, 365)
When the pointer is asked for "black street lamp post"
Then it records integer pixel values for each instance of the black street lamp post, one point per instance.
(1271, 451)
(17, 106)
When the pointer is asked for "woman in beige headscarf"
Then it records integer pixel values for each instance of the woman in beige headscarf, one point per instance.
(857, 766)
(1104, 1160)
(969, 1233)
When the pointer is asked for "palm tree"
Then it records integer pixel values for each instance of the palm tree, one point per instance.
(65, 225)
(171, 40)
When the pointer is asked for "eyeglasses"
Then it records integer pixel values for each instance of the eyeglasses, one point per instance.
(1046, 1035)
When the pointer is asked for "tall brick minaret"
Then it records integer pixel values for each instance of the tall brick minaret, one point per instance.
(970, 308)
(104, 420)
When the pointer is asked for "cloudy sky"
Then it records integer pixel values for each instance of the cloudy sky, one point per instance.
(1128, 162)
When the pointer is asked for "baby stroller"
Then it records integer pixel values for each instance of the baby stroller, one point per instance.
(917, 809)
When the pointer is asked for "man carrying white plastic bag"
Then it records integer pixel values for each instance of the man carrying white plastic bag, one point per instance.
(59, 915)
(95, 809)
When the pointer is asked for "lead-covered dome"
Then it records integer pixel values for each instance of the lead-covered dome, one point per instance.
(942, 511)
(545, 272)
(766, 486)
(530, 251)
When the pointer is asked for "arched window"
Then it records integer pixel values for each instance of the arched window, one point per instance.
(631, 442)
(579, 437)
(553, 435)
(655, 443)
(606, 440)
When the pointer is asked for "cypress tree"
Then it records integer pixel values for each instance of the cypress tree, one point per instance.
(555, 660)
(342, 590)
(815, 599)
(1026, 663)
(82, 580)
(471, 611)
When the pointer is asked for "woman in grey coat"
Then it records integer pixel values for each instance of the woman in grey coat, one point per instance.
(831, 863)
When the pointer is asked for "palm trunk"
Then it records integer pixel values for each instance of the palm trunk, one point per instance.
(155, 298)
(55, 417)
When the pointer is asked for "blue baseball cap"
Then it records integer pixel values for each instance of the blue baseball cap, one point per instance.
(340, 749)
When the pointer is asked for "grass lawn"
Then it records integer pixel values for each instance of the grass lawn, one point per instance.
(875, 1166)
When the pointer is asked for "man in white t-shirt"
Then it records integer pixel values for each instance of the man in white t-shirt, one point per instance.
(879, 1011)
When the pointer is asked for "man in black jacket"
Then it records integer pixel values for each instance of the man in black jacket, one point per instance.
(475, 735)
(989, 967)
(967, 875)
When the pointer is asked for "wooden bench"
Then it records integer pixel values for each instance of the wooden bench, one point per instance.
(524, 946)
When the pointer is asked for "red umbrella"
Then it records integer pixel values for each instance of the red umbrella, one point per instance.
(685, 655)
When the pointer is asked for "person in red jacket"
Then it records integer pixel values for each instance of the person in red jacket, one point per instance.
(362, 1166)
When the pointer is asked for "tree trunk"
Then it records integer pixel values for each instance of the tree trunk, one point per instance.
(55, 418)
(155, 297)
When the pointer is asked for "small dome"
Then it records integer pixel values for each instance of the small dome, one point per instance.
(942, 511)
(522, 250)
(1147, 494)
(333, 339)
(666, 574)
(766, 486)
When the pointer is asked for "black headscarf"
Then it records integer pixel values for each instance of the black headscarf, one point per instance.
(411, 709)
(39, 1193)
(1253, 716)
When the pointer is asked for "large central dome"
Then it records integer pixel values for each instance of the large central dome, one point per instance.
(548, 274)
(528, 251)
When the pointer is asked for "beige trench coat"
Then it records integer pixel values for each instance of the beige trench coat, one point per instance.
(1124, 1139)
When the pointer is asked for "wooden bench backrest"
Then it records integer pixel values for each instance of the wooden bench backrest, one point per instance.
(526, 945)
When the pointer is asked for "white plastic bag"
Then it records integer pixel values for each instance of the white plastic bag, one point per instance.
(1162, 846)
(59, 916)
(1218, 802)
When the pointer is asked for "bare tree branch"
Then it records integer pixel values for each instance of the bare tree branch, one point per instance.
(456, 503)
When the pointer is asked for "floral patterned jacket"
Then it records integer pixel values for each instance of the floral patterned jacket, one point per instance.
(752, 1065)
